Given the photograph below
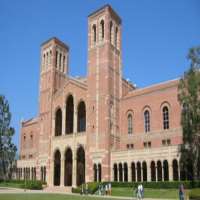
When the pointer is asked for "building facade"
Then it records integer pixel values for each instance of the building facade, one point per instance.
(99, 127)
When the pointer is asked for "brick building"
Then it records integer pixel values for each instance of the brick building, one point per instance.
(99, 127)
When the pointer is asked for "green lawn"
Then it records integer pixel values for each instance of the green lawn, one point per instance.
(148, 193)
(29, 196)
(11, 184)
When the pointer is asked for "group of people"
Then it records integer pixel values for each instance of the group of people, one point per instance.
(105, 189)
(139, 192)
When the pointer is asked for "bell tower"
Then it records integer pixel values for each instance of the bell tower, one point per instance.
(104, 89)
(53, 71)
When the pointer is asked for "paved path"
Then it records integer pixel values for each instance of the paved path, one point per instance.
(6, 190)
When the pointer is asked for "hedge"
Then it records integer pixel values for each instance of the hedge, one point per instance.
(93, 186)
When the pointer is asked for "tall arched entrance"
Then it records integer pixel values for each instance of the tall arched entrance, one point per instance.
(68, 167)
(80, 170)
(153, 171)
(69, 115)
(57, 159)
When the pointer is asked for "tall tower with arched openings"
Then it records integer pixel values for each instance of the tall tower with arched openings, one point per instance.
(53, 71)
(104, 89)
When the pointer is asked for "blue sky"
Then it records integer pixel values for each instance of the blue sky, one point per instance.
(156, 38)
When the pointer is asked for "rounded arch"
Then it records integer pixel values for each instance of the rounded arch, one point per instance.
(57, 167)
(115, 172)
(81, 121)
(68, 167)
(147, 120)
(165, 114)
(159, 170)
(130, 123)
(58, 122)
(120, 172)
(95, 172)
(139, 171)
(69, 114)
(125, 172)
(165, 170)
(153, 171)
(175, 170)
(94, 33)
(80, 170)
(133, 176)
(144, 170)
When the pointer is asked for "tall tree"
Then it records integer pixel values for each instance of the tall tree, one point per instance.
(7, 148)
(189, 98)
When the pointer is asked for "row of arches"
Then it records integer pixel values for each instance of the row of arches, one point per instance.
(155, 171)
(60, 61)
(68, 167)
(69, 117)
(147, 120)
(46, 59)
(113, 33)
(26, 173)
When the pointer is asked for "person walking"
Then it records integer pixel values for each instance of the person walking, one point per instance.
(181, 192)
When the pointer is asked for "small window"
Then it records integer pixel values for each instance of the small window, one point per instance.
(56, 59)
(116, 37)
(94, 29)
(127, 146)
(102, 29)
(132, 146)
(165, 118)
(145, 145)
(168, 142)
(130, 124)
(163, 142)
(111, 32)
(149, 144)
(147, 121)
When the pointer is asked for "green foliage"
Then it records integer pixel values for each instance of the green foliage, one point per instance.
(7, 148)
(189, 98)
(32, 185)
(92, 188)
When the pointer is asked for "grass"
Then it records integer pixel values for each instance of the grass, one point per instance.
(148, 193)
(11, 184)
(29, 196)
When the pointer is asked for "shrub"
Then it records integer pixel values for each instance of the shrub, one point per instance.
(32, 185)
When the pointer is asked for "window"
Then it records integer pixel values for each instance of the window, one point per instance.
(63, 63)
(165, 118)
(94, 29)
(116, 37)
(56, 59)
(168, 142)
(127, 146)
(60, 61)
(132, 146)
(147, 121)
(130, 124)
(102, 29)
(111, 30)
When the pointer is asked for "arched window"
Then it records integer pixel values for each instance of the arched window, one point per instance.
(43, 61)
(63, 63)
(111, 32)
(102, 30)
(165, 118)
(60, 61)
(95, 172)
(94, 29)
(116, 37)
(47, 59)
(50, 57)
(99, 172)
(69, 115)
(130, 124)
(56, 59)
(81, 117)
(58, 123)
(147, 121)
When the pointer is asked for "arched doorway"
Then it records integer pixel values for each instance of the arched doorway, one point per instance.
(99, 172)
(165, 170)
(125, 172)
(68, 167)
(81, 126)
(139, 172)
(80, 172)
(153, 171)
(115, 172)
(133, 172)
(69, 115)
(58, 122)
(144, 170)
(57, 157)
(159, 170)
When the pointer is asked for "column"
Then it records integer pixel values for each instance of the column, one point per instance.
(75, 116)
(74, 170)
(136, 174)
(63, 118)
(179, 172)
(141, 173)
(62, 170)
(170, 171)
(129, 173)
(118, 173)
(148, 172)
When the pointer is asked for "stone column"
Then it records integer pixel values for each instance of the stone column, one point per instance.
(141, 172)
(179, 172)
(129, 173)
(170, 172)
(62, 170)
(63, 119)
(122, 173)
(136, 174)
(75, 117)
(148, 172)
(74, 170)
(118, 173)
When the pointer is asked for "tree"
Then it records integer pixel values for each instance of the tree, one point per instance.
(7, 148)
(189, 98)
